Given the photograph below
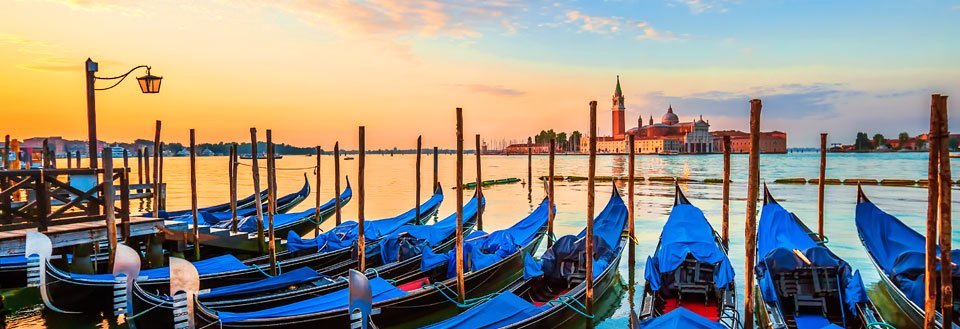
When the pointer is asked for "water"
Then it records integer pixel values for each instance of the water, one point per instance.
(390, 185)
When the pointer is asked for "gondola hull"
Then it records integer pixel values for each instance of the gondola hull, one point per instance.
(410, 311)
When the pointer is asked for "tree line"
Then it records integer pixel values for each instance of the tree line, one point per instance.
(566, 143)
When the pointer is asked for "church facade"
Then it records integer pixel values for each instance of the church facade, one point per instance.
(667, 136)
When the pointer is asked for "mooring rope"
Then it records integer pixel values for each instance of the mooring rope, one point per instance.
(145, 311)
(880, 324)
(565, 301)
(314, 168)
(467, 303)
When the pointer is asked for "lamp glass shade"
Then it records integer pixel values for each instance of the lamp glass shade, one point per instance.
(149, 84)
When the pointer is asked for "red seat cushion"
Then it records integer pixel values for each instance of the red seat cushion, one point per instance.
(536, 303)
(708, 311)
(414, 285)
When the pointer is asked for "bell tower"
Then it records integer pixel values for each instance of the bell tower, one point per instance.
(617, 110)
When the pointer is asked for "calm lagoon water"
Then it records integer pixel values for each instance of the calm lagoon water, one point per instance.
(390, 190)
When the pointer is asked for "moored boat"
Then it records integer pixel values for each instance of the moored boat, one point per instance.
(69, 292)
(802, 284)
(689, 273)
(552, 292)
(897, 251)
(414, 299)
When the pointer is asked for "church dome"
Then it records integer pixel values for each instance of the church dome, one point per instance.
(670, 118)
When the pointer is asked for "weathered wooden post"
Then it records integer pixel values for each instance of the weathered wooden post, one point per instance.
(416, 202)
(256, 189)
(271, 203)
(461, 290)
(336, 181)
(108, 204)
(69, 159)
(162, 190)
(631, 213)
(591, 184)
(551, 213)
(139, 167)
(529, 167)
(479, 188)
(45, 154)
(753, 187)
(193, 196)
(6, 153)
(126, 159)
(945, 227)
(933, 196)
(146, 166)
(725, 232)
(78, 159)
(821, 185)
(436, 168)
(316, 214)
(361, 239)
(234, 172)
(156, 170)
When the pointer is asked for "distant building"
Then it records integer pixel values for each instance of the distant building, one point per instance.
(770, 142)
(670, 135)
(538, 148)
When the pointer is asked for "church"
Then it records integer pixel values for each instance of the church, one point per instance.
(666, 137)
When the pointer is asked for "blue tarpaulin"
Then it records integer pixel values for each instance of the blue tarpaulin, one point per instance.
(608, 227)
(687, 232)
(207, 266)
(482, 251)
(897, 249)
(286, 279)
(681, 318)
(217, 208)
(345, 234)
(382, 290)
(500, 311)
(428, 235)
(779, 233)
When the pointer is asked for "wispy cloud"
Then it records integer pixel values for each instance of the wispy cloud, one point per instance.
(495, 90)
(955, 8)
(615, 24)
(42, 55)
(701, 6)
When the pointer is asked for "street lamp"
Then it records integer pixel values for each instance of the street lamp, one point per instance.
(149, 84)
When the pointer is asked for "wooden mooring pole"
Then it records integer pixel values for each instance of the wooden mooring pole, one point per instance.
(529, 167)
(479, 188)
(591, 184)
(78, 158)
(361, 239)
(631, 217)
(336, 182)
(256, 189)
(416, 203)
(945, 227)
(161, 190)
(461, 291)
(316, 214)
(725, 226)
(821, 184)
(551, 213)
(436, 168)
(6, 153)
(70, 160)
(193, 195)
(156, 170)
(139, 166)
(126, 159)
(753, 188)
(232, 168)
(271, 203)
(108, 205)
(933, 197)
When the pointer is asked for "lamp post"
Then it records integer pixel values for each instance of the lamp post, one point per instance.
(149, 84)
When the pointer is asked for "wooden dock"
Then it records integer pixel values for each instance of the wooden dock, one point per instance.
(13, 242)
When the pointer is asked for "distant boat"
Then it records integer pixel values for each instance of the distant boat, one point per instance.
(260, 156)
(348, 158)
(668, 153)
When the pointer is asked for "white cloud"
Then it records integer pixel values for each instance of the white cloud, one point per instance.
(701, 6)
(615, 24)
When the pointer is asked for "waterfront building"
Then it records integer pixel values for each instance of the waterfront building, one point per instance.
(537, 148)
(770, 142)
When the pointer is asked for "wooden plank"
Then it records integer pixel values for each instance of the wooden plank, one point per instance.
(12, 242)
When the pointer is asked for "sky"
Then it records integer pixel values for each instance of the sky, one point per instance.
(313, 71)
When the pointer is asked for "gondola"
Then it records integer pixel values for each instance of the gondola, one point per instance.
(897, 251)
(410, 300)
(68, 292)
(398, 254)
(689, 273)
(220, 236)
(802, 284)
(284, 204)
(244, 203)
(551, 293)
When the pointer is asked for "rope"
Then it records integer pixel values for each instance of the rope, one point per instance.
(880, 324)
(145, 311)
(565, 301)
(374, 270)
(261, 270)
(467, 303)
(263, 167)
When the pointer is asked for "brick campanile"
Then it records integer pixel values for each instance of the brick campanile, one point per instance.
(617, 110)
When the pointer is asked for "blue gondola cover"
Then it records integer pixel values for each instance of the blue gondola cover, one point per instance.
(217, 264)
(502, 310)
(297, 276)
(430, 235)
(681, 318)
(687, 232)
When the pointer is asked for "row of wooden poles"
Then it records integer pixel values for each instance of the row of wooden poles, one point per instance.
(938, 218)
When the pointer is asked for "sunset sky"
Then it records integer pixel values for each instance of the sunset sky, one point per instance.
(315, 70)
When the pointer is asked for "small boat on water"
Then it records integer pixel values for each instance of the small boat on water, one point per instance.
(247, 202)
(68, 292)
(898, 253)
(393, 257)
(689, 279)
(260, 156)
(802, 283)
(348, 158)
(552, 291)
(421, 297)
